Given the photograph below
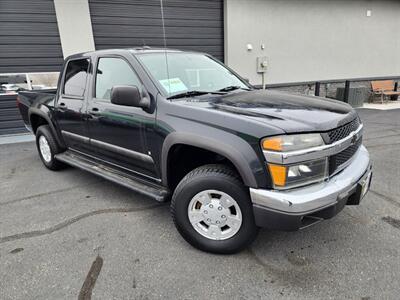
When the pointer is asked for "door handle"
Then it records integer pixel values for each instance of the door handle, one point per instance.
(62, 106)
(94, 111)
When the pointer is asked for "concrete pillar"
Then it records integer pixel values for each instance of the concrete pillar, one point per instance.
(74, 26)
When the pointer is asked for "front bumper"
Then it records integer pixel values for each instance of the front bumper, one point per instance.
(302, 207)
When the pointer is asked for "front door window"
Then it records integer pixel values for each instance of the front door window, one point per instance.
(111, 72)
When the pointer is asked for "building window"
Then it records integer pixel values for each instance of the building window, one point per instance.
(11, 84)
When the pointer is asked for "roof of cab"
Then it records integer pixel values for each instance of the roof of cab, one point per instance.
(136, 50)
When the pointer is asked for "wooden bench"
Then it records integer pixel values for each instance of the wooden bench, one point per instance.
(384, 88)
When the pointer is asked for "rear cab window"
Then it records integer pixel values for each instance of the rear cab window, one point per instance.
(75, 78)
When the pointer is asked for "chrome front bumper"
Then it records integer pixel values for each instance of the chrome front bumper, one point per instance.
(316, 197)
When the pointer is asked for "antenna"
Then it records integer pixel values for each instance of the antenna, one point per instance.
(165, 45)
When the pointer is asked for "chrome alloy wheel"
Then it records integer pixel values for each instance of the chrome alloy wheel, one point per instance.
(215, 215)
(44, 148)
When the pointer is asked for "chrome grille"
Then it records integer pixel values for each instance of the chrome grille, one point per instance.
(343, 131)
(337, 160)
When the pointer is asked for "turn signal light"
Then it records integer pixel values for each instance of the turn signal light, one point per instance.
(274, 143)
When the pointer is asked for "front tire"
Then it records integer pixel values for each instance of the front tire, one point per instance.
(47, 148)
(211, 209)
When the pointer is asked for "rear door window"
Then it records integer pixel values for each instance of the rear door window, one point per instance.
(75, 77)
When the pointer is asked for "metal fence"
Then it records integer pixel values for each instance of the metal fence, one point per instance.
(316, 85)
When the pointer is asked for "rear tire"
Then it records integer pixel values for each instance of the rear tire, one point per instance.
(48, 148)
(212, 210)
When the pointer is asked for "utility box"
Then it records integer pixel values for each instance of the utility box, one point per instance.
(357, 95)
(262, 64)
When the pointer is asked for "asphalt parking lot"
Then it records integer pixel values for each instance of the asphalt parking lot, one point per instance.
(70, 234)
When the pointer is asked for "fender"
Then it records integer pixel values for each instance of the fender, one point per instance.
(238, 151)
(45, 113)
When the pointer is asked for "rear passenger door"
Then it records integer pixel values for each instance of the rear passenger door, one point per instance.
(70, 107)
(117, 132)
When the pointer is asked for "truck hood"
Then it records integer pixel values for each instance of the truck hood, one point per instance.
(291, 113)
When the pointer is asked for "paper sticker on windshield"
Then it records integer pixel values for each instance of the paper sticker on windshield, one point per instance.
(173, 85)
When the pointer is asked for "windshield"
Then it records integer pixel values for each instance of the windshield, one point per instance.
(188, 72)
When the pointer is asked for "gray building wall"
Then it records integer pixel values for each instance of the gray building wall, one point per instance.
(189, 24)
(29, 39)
(307, 40)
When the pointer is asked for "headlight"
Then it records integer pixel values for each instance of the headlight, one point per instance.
(302, 173)
(284, 143)
(299, 174)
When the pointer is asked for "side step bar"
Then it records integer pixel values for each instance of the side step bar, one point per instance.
(153, 191)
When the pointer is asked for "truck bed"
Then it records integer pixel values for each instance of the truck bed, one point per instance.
(27, 99)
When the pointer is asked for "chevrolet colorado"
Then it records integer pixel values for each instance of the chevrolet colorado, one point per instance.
(180, 125)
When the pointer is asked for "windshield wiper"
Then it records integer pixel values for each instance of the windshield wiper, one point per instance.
(191, 94)
(231, 88)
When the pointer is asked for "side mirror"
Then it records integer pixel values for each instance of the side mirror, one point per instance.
(128, 95)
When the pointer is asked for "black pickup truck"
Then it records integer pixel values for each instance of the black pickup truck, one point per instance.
(180, 125)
